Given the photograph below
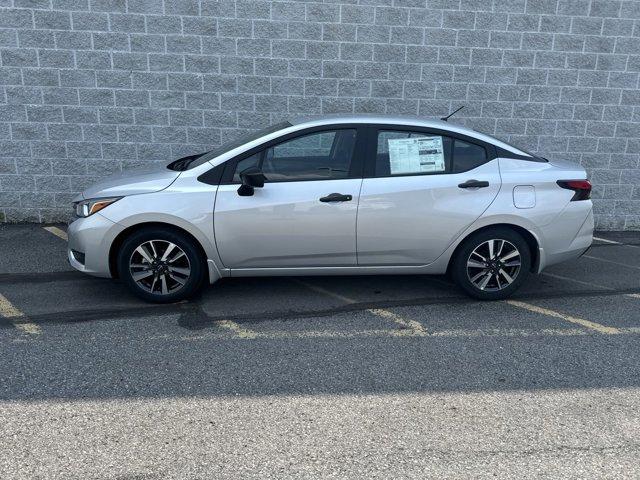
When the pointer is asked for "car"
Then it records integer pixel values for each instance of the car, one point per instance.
(336, 195)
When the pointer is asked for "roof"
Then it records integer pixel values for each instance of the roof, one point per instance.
(371, 118)
(408, 120)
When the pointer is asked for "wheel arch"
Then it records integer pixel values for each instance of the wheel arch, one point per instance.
(532, 242)
(124, 234)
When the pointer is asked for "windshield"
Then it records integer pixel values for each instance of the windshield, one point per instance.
(196, 160)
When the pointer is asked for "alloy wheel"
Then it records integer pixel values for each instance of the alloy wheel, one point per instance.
(493, 265)
(159, 267)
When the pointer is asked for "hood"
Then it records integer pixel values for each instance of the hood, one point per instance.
(147, 179)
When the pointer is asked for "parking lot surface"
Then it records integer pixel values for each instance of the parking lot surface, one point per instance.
(336, 377)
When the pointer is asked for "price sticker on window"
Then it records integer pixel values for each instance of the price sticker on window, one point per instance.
(416, 155)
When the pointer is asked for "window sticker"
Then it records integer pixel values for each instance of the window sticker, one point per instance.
(416, 155)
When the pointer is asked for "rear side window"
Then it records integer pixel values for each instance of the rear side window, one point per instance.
(467, 156)
(316, 156)
(419, 153)
(411, 153)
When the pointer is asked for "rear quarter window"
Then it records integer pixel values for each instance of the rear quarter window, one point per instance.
(467, 156)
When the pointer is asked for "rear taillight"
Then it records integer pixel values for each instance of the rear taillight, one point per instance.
(582, 188)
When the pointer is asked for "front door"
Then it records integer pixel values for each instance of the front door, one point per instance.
(294, 220)
(415, 199)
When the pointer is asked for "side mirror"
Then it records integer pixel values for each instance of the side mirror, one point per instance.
(251, 178)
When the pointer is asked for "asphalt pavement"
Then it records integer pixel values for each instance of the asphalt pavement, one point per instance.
(332, 377)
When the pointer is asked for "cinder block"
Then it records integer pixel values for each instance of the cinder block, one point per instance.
(147, 43)
(15, 57)
(605, 8)
(98, 60)
(72, 40)
(164, 24)
(287, 11)
(180, 7)
(144, 6)
(339, 32)
(127, 22)
(158, 62)
(16, 18)
(30, 38)
(183, 44)
(555, 24)
(167, 99)
(60, 96)
(41, 113)
(97, 97)
(322, 12)
(80, 114)
(293, 30)
(202, 100)
(391, 16)
(361, 14)
(90, 21)
(253, 9)
(52, 20)
(254, 85)
(43, 76)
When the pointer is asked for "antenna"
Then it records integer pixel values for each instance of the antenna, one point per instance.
(451, 114)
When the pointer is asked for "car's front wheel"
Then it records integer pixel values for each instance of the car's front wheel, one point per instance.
(161, 266)
(492, 264)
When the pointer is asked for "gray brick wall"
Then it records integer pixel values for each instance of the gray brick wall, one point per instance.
(88, 87)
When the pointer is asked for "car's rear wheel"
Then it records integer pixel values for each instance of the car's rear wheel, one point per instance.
(161, 266)
(492, 264)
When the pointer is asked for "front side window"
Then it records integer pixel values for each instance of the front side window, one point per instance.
(252, 161)
(316, 156)
(411, 153)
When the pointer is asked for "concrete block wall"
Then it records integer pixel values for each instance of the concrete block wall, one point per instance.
(89, 87)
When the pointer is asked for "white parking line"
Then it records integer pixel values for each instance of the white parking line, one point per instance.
(589, 284)
(17, 318)
(237, 329)
(329, 293)
(613, 242)
(606, 241)
(578, 321)
(580, 282)
(413, 326)
(58, 232)
(454, 333)
(612, 261)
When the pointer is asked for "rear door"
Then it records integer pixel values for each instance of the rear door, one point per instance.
(422, 189)
(305, 215)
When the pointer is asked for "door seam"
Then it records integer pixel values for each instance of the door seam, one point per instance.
(357, 213)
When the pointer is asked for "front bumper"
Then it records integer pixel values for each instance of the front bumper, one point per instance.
(92, 236)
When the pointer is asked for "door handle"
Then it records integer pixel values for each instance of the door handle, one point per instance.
(473, 184)
(336, 197)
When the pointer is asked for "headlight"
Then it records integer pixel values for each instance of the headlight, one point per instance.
(89, 207)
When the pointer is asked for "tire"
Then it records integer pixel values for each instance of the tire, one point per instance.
(471, 272)
(157, 279)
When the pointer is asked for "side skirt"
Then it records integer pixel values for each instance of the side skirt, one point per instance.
(431, 269)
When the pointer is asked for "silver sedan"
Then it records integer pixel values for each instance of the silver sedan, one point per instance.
(345, 195)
